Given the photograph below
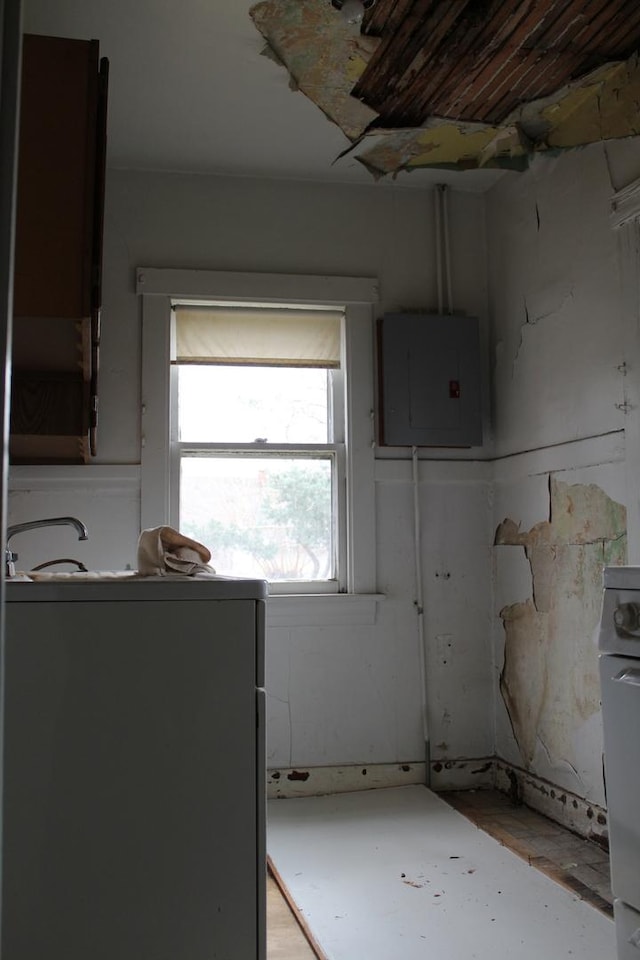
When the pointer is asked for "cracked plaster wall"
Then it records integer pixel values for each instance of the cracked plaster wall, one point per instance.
(554, 275)
(549, 677)
(561, 359)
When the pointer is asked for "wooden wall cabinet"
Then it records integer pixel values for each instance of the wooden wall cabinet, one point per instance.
(58, 251)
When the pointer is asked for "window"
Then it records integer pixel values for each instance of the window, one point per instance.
(257, 438)
(261, 447)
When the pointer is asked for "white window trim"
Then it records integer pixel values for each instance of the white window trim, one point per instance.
(159, 287)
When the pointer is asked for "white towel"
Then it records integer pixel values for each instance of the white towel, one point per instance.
(163, 551)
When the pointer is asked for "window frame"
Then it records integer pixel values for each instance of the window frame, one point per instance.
(158, 289)
(335, 449)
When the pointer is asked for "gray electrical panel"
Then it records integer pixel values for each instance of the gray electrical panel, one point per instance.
(429, 380)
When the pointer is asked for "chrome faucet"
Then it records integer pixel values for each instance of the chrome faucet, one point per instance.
(11, 557)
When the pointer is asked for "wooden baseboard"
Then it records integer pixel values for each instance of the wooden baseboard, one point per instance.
(578, 814)
(318, 781)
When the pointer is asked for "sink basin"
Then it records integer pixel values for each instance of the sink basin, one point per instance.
(49, 576)
(93, 576)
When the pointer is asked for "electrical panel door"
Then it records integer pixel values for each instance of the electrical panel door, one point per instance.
(429, 380)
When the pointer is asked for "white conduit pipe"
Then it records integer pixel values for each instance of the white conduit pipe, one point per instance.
(438, 246)
(447, 248)
(419, 601)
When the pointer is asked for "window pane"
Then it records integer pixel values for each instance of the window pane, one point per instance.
(266, 517)
(233, 404)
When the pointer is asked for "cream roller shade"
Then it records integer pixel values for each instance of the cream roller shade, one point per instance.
(258, 336)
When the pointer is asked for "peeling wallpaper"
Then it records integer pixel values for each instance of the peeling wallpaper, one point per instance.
(563, 350)
(324, 58)
(549, 680)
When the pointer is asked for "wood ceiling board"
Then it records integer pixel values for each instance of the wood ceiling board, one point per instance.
(532, 74)
(323, 55)
(422, 35)
(571, 20)
(492, 60)
(445, 60)
(491, 97)
(603, 28)
(473, 57)
(403, 52)
(384, 15)
(623, 36)
(537, 60)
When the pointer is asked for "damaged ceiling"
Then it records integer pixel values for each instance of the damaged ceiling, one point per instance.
(463, 84)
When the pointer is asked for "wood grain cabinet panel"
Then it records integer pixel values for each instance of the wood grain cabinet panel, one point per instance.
(58, 259)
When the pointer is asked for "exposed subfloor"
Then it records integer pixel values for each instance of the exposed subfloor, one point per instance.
(285, 939)
(580, 866)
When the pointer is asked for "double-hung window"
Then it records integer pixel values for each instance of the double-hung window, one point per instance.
(257, 425)
(257, 438)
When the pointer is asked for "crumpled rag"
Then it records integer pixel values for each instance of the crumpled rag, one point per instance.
(163, 551)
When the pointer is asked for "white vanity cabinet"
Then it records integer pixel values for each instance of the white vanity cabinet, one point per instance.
(134, 771)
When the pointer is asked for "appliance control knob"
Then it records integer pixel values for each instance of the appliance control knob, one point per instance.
(626, 617)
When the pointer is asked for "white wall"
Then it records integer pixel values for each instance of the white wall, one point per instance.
(339, 692)
(561, 335)
(348, 690)
(555, 300)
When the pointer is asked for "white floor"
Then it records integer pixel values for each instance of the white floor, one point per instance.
(397, 874)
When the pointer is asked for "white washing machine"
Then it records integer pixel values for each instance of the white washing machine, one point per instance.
(619, 645)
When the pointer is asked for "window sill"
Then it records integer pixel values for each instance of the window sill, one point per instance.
(334, 609)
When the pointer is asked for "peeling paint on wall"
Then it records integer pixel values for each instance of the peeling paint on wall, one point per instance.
(549, 680)
(603, 106)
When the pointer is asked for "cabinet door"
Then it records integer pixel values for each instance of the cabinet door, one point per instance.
(57, 277)
(132, 796)
(56, 157)
(98, 233)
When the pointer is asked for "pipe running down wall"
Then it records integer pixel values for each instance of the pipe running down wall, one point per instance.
(443, 281)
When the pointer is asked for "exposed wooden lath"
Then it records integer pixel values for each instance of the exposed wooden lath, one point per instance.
(479, 60)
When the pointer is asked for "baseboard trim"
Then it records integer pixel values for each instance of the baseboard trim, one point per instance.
(463, 773)
(318, 781)
(587, 819)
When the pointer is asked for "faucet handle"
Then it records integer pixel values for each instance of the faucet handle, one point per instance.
(10, 563)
